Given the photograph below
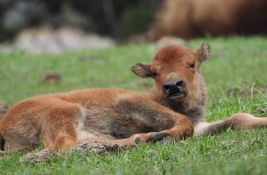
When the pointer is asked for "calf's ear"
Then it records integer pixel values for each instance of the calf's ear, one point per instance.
(203, 52)
(142, 70)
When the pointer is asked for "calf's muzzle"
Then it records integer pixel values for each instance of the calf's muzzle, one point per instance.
(174, 88)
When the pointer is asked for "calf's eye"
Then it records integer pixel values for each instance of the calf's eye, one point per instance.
(192, 65)
(154, 74)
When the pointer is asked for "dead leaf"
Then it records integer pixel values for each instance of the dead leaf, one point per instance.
(52, 77)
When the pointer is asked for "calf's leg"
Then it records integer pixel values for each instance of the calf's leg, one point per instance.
(162, 121)
(236, 121)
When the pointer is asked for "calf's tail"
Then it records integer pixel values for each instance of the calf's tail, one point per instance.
(236, 121)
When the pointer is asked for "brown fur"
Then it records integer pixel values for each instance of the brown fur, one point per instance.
(63, 120)
(191, 18)
(60, 121)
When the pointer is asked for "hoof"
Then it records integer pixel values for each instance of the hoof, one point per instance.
(157, 136)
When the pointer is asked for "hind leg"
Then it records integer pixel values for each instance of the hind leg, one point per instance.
(64, 141)
(54, 140)
(245, 120)
(236, 121)
(59, 128)
(61, 139)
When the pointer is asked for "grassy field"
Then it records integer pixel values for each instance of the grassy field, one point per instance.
(234, 63)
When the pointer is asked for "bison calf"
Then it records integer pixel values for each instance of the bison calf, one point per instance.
(172, 109)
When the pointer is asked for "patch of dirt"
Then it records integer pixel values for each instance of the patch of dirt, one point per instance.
(84, 148)
(246, 90)
(98, 148)
(37, 157)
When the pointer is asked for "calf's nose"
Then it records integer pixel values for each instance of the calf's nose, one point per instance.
(173, 85)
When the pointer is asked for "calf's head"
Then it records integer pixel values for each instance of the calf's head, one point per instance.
(175, 70)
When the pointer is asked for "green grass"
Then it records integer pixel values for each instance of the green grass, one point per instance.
(234, 62)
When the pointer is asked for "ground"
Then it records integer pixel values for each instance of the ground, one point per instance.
(234, 63)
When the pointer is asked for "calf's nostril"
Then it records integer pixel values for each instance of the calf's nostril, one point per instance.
(166, 87)
(179, 83)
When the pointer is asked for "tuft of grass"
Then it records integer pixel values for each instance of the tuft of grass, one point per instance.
(234, 62)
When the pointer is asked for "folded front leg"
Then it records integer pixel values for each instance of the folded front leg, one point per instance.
(153, 121)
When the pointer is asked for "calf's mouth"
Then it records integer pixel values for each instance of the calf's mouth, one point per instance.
(179, 93)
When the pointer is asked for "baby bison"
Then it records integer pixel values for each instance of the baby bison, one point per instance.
(174, 108)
